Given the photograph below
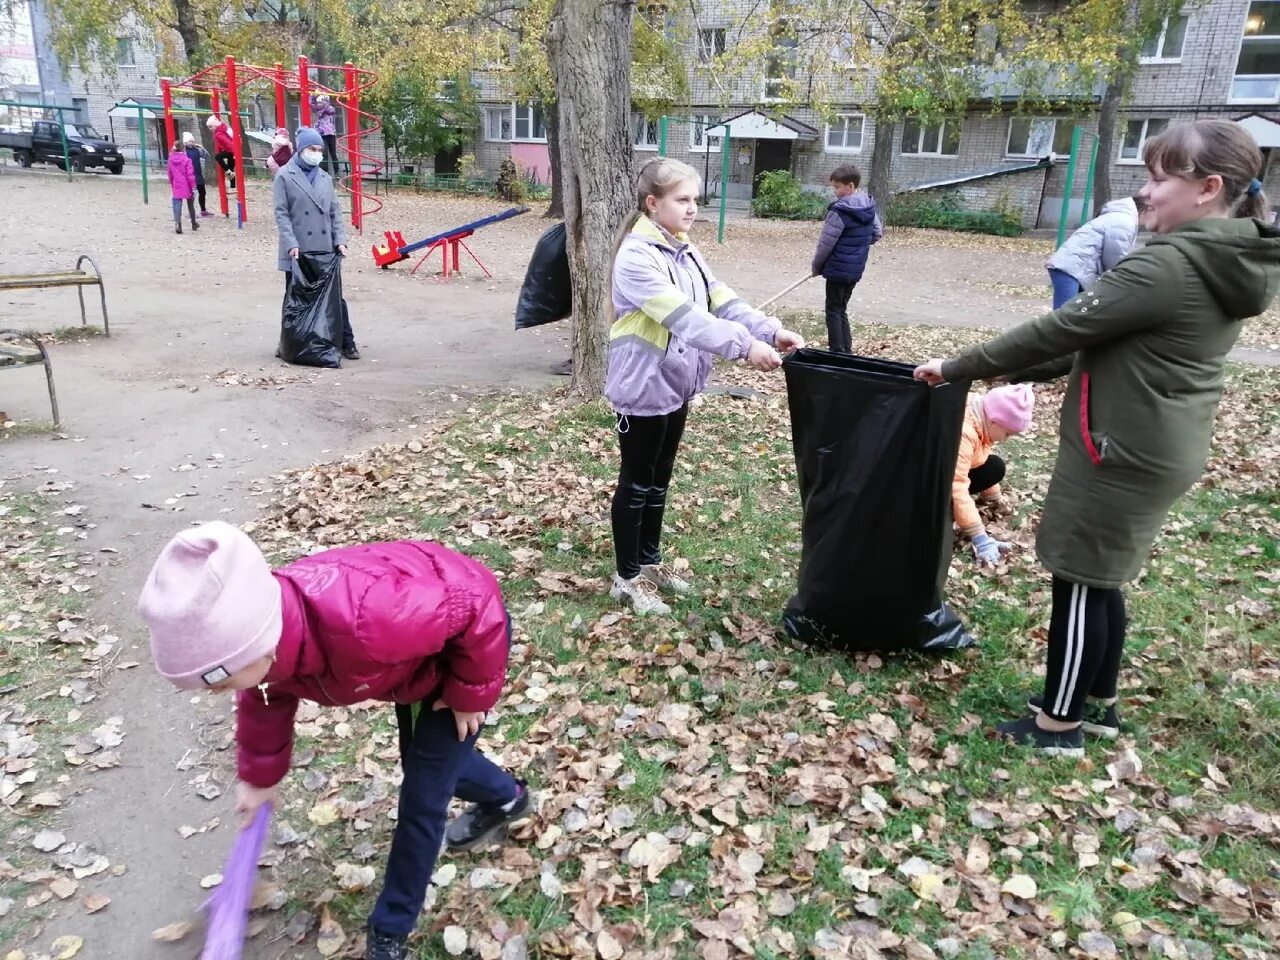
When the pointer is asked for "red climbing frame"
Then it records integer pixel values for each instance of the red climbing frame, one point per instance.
(226, 79)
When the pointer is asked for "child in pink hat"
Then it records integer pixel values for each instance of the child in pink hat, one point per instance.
(991, 418)
(408, 622)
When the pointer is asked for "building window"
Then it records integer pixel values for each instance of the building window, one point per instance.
(938, 140)
(1037, 137)
(845, 134)
(1166, 46)
(711, 43)
(699, 140)
(124, 52)
(82, 109)
(1257, 77)
(644, 132)
(497, 123)
(530, 123)
(780, 66)
(1136, 135)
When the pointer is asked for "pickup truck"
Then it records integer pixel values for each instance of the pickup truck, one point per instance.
(86, 147)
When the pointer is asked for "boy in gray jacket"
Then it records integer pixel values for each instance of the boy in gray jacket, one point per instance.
(1093, 249)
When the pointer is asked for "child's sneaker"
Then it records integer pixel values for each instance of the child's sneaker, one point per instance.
(205, 213)
(177, 228)
(1100, 719)
(1054, 743)
(642, 594)
(477, 824)
(664, 578)
(385, 946)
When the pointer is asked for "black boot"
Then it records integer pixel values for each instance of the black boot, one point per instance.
(385, 946)
(177, 227)
(477, 824)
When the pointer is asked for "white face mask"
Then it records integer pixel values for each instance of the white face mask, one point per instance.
(312, 158)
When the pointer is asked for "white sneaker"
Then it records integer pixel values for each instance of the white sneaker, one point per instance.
(641, 594)
(664, 578)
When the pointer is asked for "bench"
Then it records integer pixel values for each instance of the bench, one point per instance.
(21, 349)
(73, 278)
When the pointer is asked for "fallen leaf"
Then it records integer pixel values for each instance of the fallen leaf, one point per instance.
(352, 877)
(210, 881)
(64, 887)
(781, 904)
(1126, 924)
(331, 936)
(64, 948)
(1097, 945)
(926, 886)
(455, 941)
(94, 902)
(607, 946)
(323, 814)
(173, 932)
(1021, 886)
(48, 840)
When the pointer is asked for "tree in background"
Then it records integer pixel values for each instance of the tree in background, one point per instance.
(422, 119)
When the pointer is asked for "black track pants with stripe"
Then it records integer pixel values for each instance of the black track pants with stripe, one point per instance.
(1086, 642)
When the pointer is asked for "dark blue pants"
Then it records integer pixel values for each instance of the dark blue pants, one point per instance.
(1065, 286)
(437, 768)
(839, 336)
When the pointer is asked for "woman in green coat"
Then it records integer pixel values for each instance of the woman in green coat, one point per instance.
(1146, 349)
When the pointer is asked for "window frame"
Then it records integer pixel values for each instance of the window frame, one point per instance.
(784, 54)
(1054, 153)
(701, 49)
(128, 46)
(862, 134)
(922, 129)
(639, 119)
(705, 120)
(536, 118)
(1159, 55)
(1247, 38)
(507, 111)
(1145, 135)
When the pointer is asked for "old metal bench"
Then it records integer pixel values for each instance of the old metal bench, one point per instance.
(21, 349)
(73, 278)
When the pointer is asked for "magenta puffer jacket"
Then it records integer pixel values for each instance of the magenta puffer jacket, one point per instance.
(402, 622)
(182, 177)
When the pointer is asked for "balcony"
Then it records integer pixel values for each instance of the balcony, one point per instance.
(1255, 88)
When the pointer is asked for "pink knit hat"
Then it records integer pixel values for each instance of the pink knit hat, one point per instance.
(1010, 407)
(211, 605)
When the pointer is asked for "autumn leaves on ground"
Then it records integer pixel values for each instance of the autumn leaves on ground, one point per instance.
(704, 789)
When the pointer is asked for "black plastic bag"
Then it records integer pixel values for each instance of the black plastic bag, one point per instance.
(547, 293)
(875, 455)
(311, 328)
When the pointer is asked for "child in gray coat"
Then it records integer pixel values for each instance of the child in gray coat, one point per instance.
(1093, 250)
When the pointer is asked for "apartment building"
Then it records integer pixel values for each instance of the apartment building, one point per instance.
(1221, 58)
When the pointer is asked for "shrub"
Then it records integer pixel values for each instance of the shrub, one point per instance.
(510, 186)
(945, 211)
(780, 195)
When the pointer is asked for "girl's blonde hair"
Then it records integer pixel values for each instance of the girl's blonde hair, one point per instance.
(1206, 147)
(657, 178)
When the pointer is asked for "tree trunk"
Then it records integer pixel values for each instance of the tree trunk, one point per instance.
(880, 176)
(556, 210)
(589, 46)
(185, 14)
(1108, 117)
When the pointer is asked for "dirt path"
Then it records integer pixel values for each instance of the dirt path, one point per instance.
(183, 415)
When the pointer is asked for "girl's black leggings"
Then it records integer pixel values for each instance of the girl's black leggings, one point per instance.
(649, 446)
(1086, 642)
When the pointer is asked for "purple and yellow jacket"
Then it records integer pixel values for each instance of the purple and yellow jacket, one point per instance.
(672, 315)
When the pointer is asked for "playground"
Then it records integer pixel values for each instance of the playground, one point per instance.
(183, 415)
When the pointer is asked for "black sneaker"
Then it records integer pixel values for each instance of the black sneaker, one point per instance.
(1100, 719)
(1025, 733)
(476, 824)
(351, 353)
(385, 946)
(177, 228)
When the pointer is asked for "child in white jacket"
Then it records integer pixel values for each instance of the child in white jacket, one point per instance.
(1093, 249)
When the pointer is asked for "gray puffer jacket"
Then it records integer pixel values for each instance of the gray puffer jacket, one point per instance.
(1100, 244)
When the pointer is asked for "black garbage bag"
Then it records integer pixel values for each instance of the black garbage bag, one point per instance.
(875, 456)
(311, 328)
(547, 293)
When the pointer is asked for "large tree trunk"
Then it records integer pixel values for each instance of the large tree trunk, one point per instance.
(556, 210)
(185, 15)
(589, 45)
(1108, 117)
(880, 176)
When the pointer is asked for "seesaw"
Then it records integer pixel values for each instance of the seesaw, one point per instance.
(449, 243)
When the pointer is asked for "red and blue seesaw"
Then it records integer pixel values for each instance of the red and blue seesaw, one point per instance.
(449, 243)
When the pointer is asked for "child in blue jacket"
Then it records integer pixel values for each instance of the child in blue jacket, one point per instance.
(851, 227)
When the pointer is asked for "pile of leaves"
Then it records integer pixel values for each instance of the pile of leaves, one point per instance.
(706, 791)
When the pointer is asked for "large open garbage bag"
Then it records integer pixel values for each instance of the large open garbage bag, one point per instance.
(311, 328)
(875, 455)
(547, 293)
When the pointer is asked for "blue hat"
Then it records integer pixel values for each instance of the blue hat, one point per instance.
(307, 137)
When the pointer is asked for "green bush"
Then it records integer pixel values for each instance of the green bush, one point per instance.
(780, 195)
(945, 211)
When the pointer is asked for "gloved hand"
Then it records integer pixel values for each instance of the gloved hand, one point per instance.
(989, 550)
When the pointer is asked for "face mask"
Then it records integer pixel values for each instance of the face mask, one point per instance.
(312, 158)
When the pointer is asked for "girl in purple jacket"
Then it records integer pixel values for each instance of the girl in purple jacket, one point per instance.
(672, 316)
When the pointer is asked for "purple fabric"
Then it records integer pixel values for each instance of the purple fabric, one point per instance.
(229, 906)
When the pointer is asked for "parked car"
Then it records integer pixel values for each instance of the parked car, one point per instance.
(85, 146)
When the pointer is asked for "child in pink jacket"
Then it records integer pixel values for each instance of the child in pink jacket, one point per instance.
(182, 185)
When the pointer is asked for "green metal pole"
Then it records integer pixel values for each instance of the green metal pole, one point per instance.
(66, 151)
(725, 166)
(1085, 212)
(1066, 190)
(662, 137)
(142, 153)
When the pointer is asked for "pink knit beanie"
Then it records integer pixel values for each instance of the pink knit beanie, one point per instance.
(211, 605)
(1010, 407)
